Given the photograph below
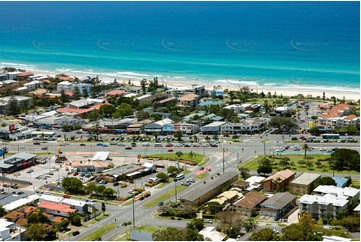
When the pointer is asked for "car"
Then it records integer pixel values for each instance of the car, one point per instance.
(82, 144)
(209, 221)
(116, 184)
(322, 149)
(334, 149)
(201, 168)
(128, 148)
(29, 171)
(14, 186)
(147, 195)
(275, 231)
(66, 196)
(294, 138)
(5, 185)
(196, 145)
(131, 191)
(36, 143)
(76, 233)
(169, 145)
(205, 145)
(170, 150)
(75, 173)
(191, 180)
(39, 191)
(46, 192)
(21, 147)
(327, 227)
(186, 183)
(87, 175)
(50, 173)
(160, 203)
(100, 144)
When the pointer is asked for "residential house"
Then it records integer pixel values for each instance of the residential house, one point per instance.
(304, 184)
(227, 197)
(210, 103)
(348, 192)
(255, 182)
(148, 99)
(164, 102)
(181, 91)
(189, 100)
(214, 128)
(278, 205)
(240, 186)
(208, 190)
(56, 209)
(14, 216)
(278, 181)
(24, 76)
(211, 234)
(250, 204)
(116, 93)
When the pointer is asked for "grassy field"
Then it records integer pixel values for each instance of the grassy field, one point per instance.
(163, 197)
(355, 183)
(203, 175)
(252, 164)
(148, 229)
(172, 156)
(99, 232)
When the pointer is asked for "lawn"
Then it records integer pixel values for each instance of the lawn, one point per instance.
(355, 184)
(203, 175)
(252, 164)
(99, 232)
(163, 197)
(172, 156)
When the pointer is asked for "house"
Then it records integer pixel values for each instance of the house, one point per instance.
(189, 100)
(211, 234)
(278, 181)
(210, 103)
(33, 85)
(356, 210)
(326, 206)
(235, 107)
(181, 91)
(10, 231)
(240, 186)
(304, 184)
(208, 190)
(137, 235)
(19, 201)
(148, 99)
(17, 162)
(348, 192)
(12, 75)
(227, 197)
(278, 205)
(130, 171)
(116, 93)
(248, 126)
(24, 75)
(186, 128)
(56, 209)
(164, 102)
(28, 210)
(57, 220)
(250, 204)
(334, 238)
(213, 128)
(14, 216)
(255, 182)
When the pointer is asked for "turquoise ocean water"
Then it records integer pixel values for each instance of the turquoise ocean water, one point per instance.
(289, 44)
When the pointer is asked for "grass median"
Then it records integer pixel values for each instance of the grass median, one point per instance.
(163, 197)
(197, 158)
(99, 232)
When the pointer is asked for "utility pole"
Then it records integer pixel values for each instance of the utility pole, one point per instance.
(133, 210)
(223, 159)
(175, 189)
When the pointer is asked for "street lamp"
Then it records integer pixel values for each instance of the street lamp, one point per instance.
(223, 149)
(133, 209)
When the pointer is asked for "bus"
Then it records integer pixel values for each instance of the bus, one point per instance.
(330, 137)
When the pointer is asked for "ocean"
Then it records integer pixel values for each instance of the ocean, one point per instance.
(278, 44)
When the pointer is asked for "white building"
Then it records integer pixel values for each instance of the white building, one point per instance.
(33, 85)
(254, 125)
(181, 91)
(254, 182)
(348, 192)
(64, 85)
(10, 231)
(214, 128)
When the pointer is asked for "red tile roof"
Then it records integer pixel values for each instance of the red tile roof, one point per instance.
(56, 206)
(22, 221)
(73, 110)
(65, 78)
(282, 175)
(24, 74)
(116, 93)
(251, 200)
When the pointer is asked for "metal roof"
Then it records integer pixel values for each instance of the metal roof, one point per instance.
(279, 200)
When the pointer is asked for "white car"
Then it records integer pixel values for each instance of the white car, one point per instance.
(322, 149)
(275, 231)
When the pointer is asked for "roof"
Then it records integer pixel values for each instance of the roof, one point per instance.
(339, 191)
(357, 208)
(73, 202)
(208, 103)
(225, 196)
(92, 163)
(212, 234)
(325, 200)
(306, 178)
(101, 156)
(279, 200)
(56, 206)
(194, 194)
(58, 219)
(340, 181)
(22, 221)
(282, 175)
(251, 200)
(334, 238)
(29, 209)
(14, 215)
(21, 202)
(214, 124)
(116, 92)
(188, 97)
(254, 179)
(137, 235)
(4, 224)
(73, 110)
(240, 184)
(24, 74)
(51, 198)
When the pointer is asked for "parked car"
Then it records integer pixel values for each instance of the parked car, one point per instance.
(169, 145)
(36, 143)
(82, 144)
(131, 191)
(66, 196)
(201, 168)
(29, 171)
(191, 180)
(128, 148)
(186, 183)
(14, 186)
(170, 150)
(116, 184)
(5, 185)
(75, 173)
(75, 233)
(160, 203)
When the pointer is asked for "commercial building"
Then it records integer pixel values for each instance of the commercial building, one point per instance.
(304, 184)
(278, 205)
(247, 126)
(16, 162)
(208, 190)
(214, 128)
(181, 91)
(278, 181)
(186, 128)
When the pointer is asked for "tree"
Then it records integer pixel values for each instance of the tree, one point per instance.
(2, 211)
(94, 115)
(100, 189)
(190, 155)
(123, 110)
(214, 207)
(309, 164)
(73, 185)
(178, 135)
(250, 225)
(63, 225)
(264, 169)
(262, 235)
(244, 172)
(108, 192)
(75, 219)
(38, 217)
(36, 232)
(91, 187)
(13, 106)
(179, 154)
(230, 222)
(103, 207)
(308, 226)
(198, 223)
(283, 124)
(169, 234)
(326, 180)
(76, 92)
(162, 176)
(284, 162)
(305, 148)
(142, 83)
(293, 232)
(141, 115)
(63, 97)
(107, 110)
(172, 170)
(345, 159)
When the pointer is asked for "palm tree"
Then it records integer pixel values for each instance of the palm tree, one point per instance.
(191, 154)
(305, 148)
(179, 154)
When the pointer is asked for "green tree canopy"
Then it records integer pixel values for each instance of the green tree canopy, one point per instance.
(123, 110)
(326, 180)
(283, 124)
(36, 232)
(262, 235)
(169, 234)
(345, 159)
(73, 185)
(162, 176)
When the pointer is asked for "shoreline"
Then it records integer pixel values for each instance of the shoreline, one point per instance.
(175, 82)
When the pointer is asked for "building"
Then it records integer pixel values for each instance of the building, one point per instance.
(208, 190)
(304, 184)
(24, 75)
(164, 126)
(348, 192)
(338, 117)
(278, 205)
(326, 206)
(10, 231)
(91, 166)
(137, 235)
(16, 162)
(255, 182)
(56, 209)
(278, 181)
(211, 234)
(33, 85)
(247, 126)
(129, 171)
(186, 128)
(19, 101)
(250, 204)
(227, 197)
(116, 93)
(138, 128)
(78, 205)
(148, 99)
(334, 238)
(189, 100)
(214, 128)
(64, 86)
(181, 91)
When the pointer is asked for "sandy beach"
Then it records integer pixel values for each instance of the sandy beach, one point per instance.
(285, 91)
